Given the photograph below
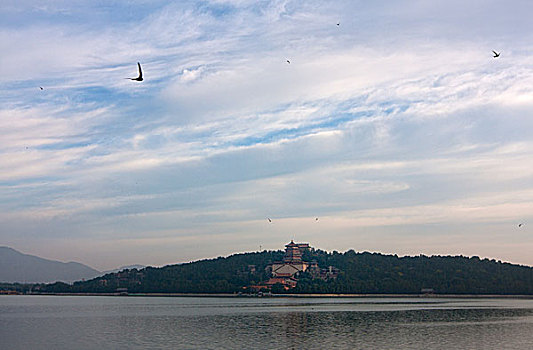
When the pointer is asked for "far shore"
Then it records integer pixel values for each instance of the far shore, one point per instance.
(235, 295)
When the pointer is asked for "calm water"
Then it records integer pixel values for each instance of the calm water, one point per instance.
(48, 322)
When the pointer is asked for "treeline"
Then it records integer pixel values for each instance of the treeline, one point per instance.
(220, 275)
(359, 273)
(378, 273)
(17, 287)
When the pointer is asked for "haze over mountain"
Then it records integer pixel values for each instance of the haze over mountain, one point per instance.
(18, 267)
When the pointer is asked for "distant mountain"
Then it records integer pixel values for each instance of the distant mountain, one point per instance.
(359, 272)
(18, 267)
(128, 267)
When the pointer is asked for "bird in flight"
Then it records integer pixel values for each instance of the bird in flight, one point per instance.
(496, 54)
(520, 225)
(289, 62)
(140, 77)
(269, 220)
(40, 87)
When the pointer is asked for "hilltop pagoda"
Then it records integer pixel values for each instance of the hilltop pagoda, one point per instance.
(292, 263)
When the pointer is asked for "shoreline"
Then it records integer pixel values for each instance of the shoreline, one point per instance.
(296, 296)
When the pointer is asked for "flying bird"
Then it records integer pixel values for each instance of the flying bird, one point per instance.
(496, 54)
(140, 77)
(269, 220)
(520, 225)
(40, 87)
(289, 62)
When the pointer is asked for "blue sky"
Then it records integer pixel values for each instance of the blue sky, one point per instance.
(396, 128)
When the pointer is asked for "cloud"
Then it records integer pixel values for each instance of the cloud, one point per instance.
(397, 120)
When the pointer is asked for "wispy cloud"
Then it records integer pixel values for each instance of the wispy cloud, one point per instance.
(396, 119)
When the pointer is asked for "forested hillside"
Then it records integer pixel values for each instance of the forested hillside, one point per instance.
(378, 273)
(359, 273)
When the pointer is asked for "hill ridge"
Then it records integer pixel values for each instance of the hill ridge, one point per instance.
(19, 267)
(359, 273)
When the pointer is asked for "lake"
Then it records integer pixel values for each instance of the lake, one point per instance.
(106, 322)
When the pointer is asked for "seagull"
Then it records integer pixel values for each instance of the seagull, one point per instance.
(289, 62)
(269, 220)
(140, 77)
(496, 54)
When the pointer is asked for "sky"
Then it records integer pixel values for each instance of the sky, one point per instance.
(393, 124)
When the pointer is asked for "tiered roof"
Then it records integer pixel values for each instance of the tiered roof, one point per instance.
(292, 253)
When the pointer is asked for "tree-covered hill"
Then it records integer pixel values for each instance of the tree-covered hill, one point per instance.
(378, 273)
(359, 273)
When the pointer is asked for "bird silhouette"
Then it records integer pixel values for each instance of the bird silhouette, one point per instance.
(140, 77)
(40, 87)
(520, 225)
(269, 220)
(289, 62)
(496, 54)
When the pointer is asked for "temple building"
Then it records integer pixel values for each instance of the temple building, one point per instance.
(292, 263)
(285, 273)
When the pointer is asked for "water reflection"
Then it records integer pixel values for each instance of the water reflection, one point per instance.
(218, 323)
